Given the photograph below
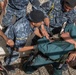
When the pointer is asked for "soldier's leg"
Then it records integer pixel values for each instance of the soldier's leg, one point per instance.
(7, 19)
(13, 55)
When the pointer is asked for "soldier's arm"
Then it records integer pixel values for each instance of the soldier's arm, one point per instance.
(66, 36)
(37, 32)
(3, 4)
(44, 32)
(47, 21)
(26, 48)
(3, 35)
(41, 32)
(8, 41)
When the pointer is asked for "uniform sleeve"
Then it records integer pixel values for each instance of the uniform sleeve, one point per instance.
(35, 3)
(46, 7)
(10, 32)
(72, 16)
(36, 6)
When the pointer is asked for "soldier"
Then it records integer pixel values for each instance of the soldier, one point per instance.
(60, 11)
(17, 8)
(20, 31)
(8, 41)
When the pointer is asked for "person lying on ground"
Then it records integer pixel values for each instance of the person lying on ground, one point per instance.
(55, 52)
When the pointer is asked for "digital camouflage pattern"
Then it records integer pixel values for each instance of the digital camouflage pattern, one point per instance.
(19, 33)
(55, 10)
(17, 8)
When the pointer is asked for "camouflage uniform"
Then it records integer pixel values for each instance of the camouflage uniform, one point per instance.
(18, 32)
(56, 13)
(17, 8)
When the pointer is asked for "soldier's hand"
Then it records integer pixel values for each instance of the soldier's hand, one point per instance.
(71, 57)
(47, 21)
(51, 40)
(75, 45)
(44, 32)
(10, 42)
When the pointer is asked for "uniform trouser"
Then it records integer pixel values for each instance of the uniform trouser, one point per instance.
(38, 62)
(8, 17)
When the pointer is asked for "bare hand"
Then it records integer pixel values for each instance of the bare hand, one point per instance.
(44, 32)
(51, 39)
(71, 57)
(75, 45)
(10, 42)
(47, 21)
